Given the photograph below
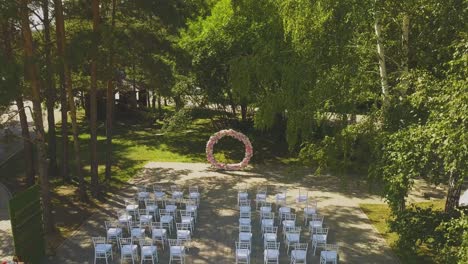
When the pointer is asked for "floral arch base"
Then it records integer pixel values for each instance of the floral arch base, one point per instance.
(237, 135)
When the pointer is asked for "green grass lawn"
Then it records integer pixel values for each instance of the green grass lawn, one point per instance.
(379, 214)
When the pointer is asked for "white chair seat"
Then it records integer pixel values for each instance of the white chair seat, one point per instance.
(151, 208)
(271, 253)
(194, 195)
(114, 231)
(245, 221)
(159, 194)
(319, 238)
(137, 232)
(148, 250)
(166, 218)
(299, 254)
(243, 253)
(294, 238)
(131, 207)
(261, 196)
(187, 220)
(157, 232)
(284, 210)
(125, 218)
(280, 196)
(245, 236)
(103, 248)
(177, 194)
(265, 209)
(143, 195)
(177, 250)
(191, 208)
(146, 218)
(243, 195)
(310, 211)
(245, 209)
(289, 223)
(328, 255)
(183, 234)
(267, 222)
(270, 237)
(301, 198)
(171, 208)
(128, 249)
(315, 224)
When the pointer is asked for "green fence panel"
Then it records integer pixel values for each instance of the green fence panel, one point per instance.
(27, 225)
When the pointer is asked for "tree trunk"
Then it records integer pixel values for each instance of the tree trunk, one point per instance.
(60, 29)
(110, 104)
(40, 135)
(159, 105)
(381, 56)
(165, 101)
(453, 193)
(244, 112)
(153, 99)
(50, 91)
(93, 103)
(404, 42)
(64, 128)
(27, 143)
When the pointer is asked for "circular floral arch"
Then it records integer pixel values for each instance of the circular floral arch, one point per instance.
(237, 135)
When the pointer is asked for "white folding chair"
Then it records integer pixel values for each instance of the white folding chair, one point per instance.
(265, 207)
(124, 218)
(131, 206)
(293, 236)
(319, 238)
(289, 222)
(192, 207)
(144, 217)
(310, 210)
(302, 197)
(171, 207)
(151, 207)
(244, 206)
(194, 194)
(270, 234)
(271, 253)
(242, 253)
(159, 194)
(148, 251)
(330, 254)
(282, 211)
(261, 196)
(128, 250)
(187, 218)
(299, 253)
(242, 195)
(158, 233)
(245, 218)
(166, 219)
(176, 251)
(113, 230)
(136, 230)
(102, 249)
(183, 232)
(245, 234)
(267, 219)
(177, 192)
(316, 221)
(281, 196)
(142, 193)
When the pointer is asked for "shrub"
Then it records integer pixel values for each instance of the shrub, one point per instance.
(179, 121)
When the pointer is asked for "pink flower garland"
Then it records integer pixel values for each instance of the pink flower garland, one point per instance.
(237, 135)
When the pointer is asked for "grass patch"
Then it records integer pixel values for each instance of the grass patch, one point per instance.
(380, 214)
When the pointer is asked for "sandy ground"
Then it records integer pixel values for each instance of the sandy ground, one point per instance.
(216, 230)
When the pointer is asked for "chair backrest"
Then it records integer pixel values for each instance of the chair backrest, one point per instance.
(98, 241)
(301, 246)
(267, 215)
(321, 231)
(244, 203)
(164, 212)
(183, 226)
(125, 241)
(174, 242)
(288, 216)
(317, 218)
(242, 245)
(193, 189)
(156, 225)
(158, 188)
(262, 190)
(245, 215)
(142, 188)
(302, 196)
(185, 213)
(112, 224)
(170, 202)
(142, 212)
(134, 224)
(294, 230)
(270, 229)
(266, 204)
(332, 247)
(150, 202)
(245, 228)
(312, 204)
(175, 188)
(145, 242)
(272, 245)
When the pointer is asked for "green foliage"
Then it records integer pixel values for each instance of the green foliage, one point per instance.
(177, 122)
(453, 247)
